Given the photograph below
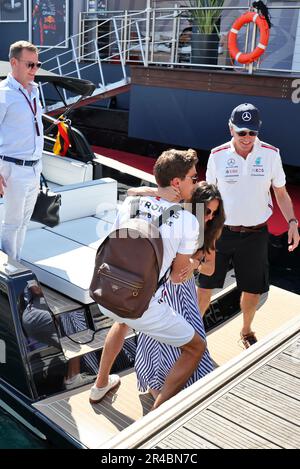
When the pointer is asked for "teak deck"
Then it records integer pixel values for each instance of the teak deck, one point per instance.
(260, 409)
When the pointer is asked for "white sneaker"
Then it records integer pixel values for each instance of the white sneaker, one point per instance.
(97, 394)
(79, 380)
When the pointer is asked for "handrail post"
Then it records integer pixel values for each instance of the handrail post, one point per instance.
(60, 72)
(153, 35)
(81, 29)
(147, 42)
(140, 42)
(99, 63)
(173, 43)
(250, 71)
(119, 48)
(125, 35)
(42, 95)
(75, 57)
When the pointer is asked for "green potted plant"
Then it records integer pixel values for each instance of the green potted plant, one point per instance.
(206, 23)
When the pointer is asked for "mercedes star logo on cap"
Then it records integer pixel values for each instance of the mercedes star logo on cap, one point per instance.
(246, 116)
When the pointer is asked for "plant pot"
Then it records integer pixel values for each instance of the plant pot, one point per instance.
(205, 48)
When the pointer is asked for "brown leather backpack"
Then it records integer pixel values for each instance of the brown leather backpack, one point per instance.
(128, 264)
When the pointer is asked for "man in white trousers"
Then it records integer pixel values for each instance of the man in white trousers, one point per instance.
(21, 145)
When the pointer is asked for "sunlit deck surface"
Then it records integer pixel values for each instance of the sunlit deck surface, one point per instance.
(259, 409)
(254, 404)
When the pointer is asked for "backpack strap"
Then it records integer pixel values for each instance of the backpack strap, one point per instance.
(161, 220)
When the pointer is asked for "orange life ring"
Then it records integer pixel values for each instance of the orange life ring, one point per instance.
(260, 21)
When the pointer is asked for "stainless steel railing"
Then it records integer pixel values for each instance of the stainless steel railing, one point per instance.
(175, 37)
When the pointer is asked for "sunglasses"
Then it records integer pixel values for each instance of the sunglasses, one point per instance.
(31, 64)
(209, 211)
(243, 133)
(193, 178)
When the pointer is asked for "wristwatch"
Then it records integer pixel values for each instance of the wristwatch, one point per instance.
(294, 220)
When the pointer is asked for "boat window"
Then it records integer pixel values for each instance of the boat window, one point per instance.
(37, 321)
(71, 323)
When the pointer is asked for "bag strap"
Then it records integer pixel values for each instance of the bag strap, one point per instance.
(163, 218)
(164, 278)
(43, 182)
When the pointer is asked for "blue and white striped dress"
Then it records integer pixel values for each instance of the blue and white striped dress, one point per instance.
(153, 359)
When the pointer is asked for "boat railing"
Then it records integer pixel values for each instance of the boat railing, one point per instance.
(170, 37)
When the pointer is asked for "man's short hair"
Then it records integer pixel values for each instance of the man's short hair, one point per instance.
(16, 49)
(173, 164)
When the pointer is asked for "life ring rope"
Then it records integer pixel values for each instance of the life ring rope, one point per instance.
(261, 22)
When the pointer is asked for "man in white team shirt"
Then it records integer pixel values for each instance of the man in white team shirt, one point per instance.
(21, 145)
(244, 170)
(180, 240)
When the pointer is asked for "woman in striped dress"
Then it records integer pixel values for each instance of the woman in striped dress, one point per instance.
(153, 359)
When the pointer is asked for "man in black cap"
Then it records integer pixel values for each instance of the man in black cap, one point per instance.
(244, 169)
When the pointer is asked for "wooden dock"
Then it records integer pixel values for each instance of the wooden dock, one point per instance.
(259, 410)
(251, 400)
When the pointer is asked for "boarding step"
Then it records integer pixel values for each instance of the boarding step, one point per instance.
(59, 303)
(69, 314)
(94, 425)
(72, 349)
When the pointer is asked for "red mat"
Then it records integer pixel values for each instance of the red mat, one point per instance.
(139, 162)
(277, 224)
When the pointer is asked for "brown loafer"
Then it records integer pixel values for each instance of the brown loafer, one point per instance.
(248, 339)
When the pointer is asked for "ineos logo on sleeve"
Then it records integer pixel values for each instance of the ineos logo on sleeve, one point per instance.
(246, 116)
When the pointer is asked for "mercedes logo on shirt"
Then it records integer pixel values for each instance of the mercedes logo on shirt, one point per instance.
(246, 116)
(231, 162)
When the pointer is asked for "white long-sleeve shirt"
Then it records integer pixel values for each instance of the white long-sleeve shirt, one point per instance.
(18, 135)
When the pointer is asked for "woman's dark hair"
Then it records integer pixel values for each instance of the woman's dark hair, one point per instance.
(204, 194)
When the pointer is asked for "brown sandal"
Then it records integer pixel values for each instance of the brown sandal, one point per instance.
(248, 339)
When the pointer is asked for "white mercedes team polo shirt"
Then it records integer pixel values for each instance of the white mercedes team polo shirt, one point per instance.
(245, 183)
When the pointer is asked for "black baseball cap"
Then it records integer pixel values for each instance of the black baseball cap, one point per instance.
(245, 117)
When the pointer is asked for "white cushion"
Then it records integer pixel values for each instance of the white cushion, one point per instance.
(60, 263)
(85, 200)
(63, 257)
(62, 170)
(88, 231)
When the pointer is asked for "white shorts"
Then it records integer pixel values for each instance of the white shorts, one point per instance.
(160, 322)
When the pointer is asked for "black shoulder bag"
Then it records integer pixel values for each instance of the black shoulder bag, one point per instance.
(46, 210)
